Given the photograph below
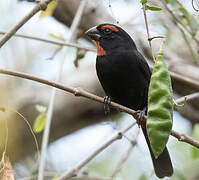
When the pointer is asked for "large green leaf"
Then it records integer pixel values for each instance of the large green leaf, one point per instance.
(160, 106)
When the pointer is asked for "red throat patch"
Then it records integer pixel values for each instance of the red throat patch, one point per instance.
(100, 50)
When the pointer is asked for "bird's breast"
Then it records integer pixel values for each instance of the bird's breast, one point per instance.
(123, 83)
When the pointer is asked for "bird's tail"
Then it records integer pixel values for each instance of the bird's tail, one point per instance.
(162, 165)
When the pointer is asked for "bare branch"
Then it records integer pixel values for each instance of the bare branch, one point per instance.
(118, 135)
(40, 6)
(147, 29)
(83, 93)
(53, 174)
(188, 97)
(184, 138)
(52, 41)
(188, 81)
(155, 37)
(126, 155)
(179, 22)
(49, 115)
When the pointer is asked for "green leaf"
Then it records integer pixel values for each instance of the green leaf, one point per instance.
(153, 8)
(194, 150)
(160, 106)
(59, 37)
(39, 123)
(143, 1)
(40, 108)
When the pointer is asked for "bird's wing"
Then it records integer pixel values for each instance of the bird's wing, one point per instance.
(141, 63)
(144, 67)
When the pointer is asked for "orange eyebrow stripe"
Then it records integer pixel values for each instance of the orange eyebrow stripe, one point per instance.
(113, 28)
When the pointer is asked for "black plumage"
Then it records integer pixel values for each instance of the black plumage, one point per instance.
(125, 75)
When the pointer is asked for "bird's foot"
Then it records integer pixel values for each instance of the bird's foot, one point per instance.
(107, 102)
(140, 114)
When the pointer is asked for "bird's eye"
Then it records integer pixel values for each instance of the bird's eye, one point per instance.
(107, 31)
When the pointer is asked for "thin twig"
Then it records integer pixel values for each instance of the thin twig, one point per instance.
(40, 6)
(46, 133)
(185, 138)
(83, 93)
(174, 75)
(54, 53)
(111, 12)
(179, 22)
(147, 30)
(126, 155)
(52, 41)
(118, 135)
(188, 98)
(74, 178)
(156, 37)
(195, 57)
(189, 81)
(175, 18)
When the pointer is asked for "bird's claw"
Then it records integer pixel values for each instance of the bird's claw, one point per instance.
(140, 114)
(107, 102)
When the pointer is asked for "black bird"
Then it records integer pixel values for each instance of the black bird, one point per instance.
(125, 75)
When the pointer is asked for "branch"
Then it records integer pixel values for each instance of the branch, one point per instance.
(118, 135)
(53, 42)
(190, 82)
(179, 22)
(155, 37)
(147, 29)
(52, 175)
(173, 74)
(83, 93)
(126, 155)
(188, 98)
(40, 6)
(184, 138)
(45, 138)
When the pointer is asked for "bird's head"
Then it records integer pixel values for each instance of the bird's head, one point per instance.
(110, 38)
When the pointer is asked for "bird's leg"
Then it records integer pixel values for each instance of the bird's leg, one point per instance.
(107, 101)
(140, 114)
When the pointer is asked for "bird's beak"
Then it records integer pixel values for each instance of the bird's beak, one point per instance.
(93, 33)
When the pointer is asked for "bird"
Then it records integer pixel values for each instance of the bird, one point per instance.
(125, 76)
